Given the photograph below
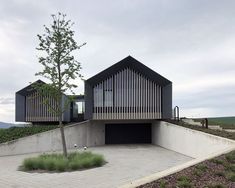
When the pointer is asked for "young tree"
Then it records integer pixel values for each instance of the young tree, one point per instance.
(59, 66)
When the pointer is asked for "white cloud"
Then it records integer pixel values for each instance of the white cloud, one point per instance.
(189, 42)
(7, 113)
(7, 100)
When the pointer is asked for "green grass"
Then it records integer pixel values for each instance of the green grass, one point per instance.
(222, 120)
(57, 162)
(19, 132)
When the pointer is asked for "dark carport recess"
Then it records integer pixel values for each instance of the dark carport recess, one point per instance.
(123, 133)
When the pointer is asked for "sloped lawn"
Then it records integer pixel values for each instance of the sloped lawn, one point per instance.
(19, 132)
(215, 173)
(58, 163)
(225, 134)
(218, 172)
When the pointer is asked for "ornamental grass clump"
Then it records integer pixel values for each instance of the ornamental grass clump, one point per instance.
(230, 157)
(184, 182)
(231, 176)
(58, 163)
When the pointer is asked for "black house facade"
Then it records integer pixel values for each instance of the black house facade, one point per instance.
(126, 91)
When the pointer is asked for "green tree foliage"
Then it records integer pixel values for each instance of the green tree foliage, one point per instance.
(56, 47)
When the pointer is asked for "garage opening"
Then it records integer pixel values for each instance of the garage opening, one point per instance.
(128, 133)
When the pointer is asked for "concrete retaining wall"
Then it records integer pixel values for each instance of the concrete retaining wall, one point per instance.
(87, 133)
(187, 141)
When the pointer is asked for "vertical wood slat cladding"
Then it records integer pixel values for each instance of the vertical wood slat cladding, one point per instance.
(127, 95)
(37, 111)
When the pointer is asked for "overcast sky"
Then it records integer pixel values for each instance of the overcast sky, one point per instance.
(192, 43)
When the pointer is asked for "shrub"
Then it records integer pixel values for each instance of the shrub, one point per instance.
(231, 167)
(162, 184)
(184, 182)
(57, 162)
(217, 161)
(227, 166)
(231, 176)
(230, 157)
(201, 167)
(197, 172)
(220, 173)
(183, 178)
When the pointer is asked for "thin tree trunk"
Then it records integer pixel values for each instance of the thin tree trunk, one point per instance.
(62, 127)
(63, 138)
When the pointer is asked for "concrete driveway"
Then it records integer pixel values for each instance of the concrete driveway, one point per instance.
(125, 163)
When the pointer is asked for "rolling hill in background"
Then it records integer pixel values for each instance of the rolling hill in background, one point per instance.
(222, 120)
(4, 125)
(225, 122)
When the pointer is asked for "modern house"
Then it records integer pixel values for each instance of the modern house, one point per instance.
(128, 90)
(30, 107)
(124, 99)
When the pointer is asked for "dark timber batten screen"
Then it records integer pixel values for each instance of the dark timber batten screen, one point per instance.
(36, 110)
(127, 95)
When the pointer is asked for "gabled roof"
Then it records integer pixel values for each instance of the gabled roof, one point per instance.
(29, 89)
(132, 63)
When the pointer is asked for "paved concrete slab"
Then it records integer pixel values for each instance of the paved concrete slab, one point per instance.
(125, 163)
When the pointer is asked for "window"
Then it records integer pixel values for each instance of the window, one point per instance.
(80, 107)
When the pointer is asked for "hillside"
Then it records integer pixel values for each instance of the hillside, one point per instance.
(222, 120)
(225, 122)
(4, 125)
